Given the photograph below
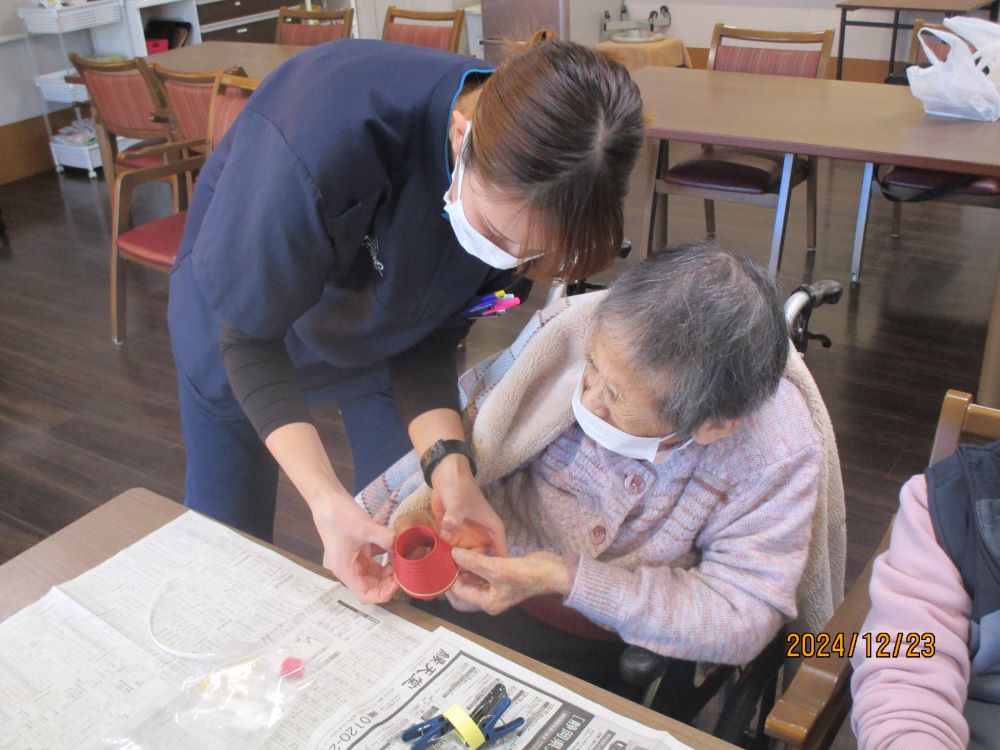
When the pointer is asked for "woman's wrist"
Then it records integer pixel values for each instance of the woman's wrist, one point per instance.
(329, 502)
(450, 470)
(560, 576)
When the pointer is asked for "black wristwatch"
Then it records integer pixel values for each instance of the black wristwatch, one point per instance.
(432, 457)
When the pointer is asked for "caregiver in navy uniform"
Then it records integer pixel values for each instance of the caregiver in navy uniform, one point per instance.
(368, 194)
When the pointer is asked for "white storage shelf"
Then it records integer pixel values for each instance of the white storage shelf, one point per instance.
(83, 157)
(72, 18)
(55, 88)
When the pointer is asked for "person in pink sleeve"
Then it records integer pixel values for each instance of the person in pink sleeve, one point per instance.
(936, 591)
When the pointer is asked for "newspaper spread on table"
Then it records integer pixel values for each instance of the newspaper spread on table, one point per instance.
(80, 668)
(447, 670)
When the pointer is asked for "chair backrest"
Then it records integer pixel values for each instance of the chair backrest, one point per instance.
(810, 60)
(188, 98)
(122, 97)
(423, 28)
(230, 95)
(309, 27)
(960, 418)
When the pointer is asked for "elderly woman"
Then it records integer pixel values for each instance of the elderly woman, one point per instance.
(655, 470)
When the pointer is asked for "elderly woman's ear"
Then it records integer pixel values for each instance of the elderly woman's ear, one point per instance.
(714, 429)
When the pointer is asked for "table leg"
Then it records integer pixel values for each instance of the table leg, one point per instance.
(895, 38)
(988, 393)
(859, 230)
(781, 214)
(656, 206)
(840, 43)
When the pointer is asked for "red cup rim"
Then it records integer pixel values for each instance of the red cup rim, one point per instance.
(429, 576)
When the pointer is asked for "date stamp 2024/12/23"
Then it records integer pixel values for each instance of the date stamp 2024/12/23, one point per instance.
(875, 645)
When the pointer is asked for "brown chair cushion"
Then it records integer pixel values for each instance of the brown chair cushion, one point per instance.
(155, 242)
(735, 171)
(908, 178)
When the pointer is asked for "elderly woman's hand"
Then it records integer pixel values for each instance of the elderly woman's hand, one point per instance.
(495, 584)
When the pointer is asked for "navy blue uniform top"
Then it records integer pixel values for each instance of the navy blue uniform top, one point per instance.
(319, 218)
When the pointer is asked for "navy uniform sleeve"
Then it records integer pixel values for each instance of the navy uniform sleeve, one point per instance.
(263, 251)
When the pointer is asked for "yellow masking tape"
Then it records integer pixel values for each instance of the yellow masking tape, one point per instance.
(467, 729)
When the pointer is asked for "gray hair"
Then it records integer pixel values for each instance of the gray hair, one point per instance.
(707, 324)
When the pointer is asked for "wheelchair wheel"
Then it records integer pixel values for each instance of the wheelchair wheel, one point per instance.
(753, 694)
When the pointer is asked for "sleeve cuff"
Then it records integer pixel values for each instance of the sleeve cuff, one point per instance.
(596, 589)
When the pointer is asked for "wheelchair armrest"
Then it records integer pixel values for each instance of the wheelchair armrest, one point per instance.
(639, 666)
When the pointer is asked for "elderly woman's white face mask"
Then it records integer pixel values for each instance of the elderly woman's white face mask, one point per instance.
(616, 408)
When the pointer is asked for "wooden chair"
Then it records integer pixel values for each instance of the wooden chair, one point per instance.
(738, 176)
(903, 181)
(424, 28)
(124, 104)
(154, 244)
(188, 99)
(809, 713)
(310, 27)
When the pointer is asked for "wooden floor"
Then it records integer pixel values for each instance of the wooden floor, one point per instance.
(82, 420)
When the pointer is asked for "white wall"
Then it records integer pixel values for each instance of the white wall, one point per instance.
(19, 98)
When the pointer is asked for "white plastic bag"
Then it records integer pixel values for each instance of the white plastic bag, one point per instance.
(956, 86)
(984, 36)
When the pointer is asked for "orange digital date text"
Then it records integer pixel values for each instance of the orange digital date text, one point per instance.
(874, 645)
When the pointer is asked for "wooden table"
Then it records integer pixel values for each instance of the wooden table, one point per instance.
(132, 515)
(867, 122)
(257, 59)
(948, 7)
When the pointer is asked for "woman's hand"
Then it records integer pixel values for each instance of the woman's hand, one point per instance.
(351, 541)
(465, 516)
(495, 584)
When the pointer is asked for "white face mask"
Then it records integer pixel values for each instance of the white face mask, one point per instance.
(472, 241)
(608, 436)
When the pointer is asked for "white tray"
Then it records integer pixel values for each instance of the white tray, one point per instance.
(83, 157)
(55, 89)
(74, 18)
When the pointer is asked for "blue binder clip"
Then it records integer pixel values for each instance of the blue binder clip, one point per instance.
(477, 728)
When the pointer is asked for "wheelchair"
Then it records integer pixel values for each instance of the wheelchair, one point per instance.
(747, 693)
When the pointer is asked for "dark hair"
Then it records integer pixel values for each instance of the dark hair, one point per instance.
(709, 324)
(560, 125)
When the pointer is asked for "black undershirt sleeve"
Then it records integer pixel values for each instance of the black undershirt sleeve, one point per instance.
(263, 379)
(425, 376)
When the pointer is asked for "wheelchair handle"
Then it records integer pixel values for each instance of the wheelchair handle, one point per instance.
(807, 297)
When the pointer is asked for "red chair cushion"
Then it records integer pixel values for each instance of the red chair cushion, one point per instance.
(140, 162)
(908, 178)
(735, 171)
(155, 242)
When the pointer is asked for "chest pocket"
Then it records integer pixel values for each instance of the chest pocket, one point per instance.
(352, 235)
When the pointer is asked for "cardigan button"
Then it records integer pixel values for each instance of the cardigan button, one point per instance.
(599, 533)
(634, 484)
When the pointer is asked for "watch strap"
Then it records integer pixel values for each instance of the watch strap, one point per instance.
(442, 448)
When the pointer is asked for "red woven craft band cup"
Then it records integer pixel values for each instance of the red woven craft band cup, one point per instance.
(429, 576)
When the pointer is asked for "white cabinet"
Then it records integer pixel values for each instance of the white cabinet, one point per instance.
(115, 27)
